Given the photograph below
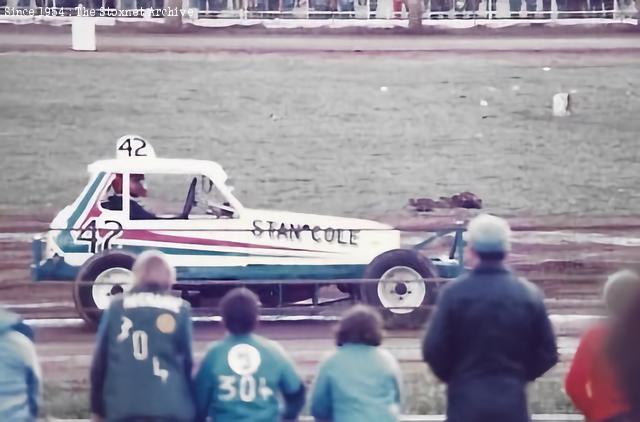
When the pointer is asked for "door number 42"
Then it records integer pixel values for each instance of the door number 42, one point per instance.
(97, 241)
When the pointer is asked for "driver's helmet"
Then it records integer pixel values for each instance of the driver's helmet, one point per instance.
(137, 187)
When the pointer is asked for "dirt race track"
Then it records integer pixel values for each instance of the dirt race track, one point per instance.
(124, 37)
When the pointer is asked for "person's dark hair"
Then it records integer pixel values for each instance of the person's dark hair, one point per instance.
(239, 309)
(491, 256)
(360, 325)
(624, 350)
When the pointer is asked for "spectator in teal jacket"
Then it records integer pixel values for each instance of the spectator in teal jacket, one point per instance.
(243, 375)
(19, 370)
(361, 381)
(141, 368)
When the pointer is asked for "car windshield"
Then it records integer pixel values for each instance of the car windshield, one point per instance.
(210, 200)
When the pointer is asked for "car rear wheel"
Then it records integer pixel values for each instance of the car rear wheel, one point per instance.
(100, 279)
(400, 291)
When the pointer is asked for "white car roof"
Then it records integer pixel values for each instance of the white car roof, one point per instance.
(150, 165)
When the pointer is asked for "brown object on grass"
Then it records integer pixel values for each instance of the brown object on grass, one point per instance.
(460, 200)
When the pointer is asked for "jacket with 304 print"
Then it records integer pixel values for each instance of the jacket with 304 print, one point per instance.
(143, 359)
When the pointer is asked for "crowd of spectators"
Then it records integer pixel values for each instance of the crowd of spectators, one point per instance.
(489, 337)
(433, 9)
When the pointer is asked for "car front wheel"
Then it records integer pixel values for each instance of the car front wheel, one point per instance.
(100, 279)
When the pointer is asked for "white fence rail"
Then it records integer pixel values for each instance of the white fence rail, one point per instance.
(585, 11)
(441, 418)
(569, 417)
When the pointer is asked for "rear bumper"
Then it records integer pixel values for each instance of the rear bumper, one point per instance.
(447, 268)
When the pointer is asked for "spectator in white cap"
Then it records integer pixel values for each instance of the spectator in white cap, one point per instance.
(490, 334)
(489, 237)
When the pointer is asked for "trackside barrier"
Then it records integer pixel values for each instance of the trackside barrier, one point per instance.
(579, 291)
(441, 418)
(568, 417)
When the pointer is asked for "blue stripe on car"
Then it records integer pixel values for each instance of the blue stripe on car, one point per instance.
(64, 240)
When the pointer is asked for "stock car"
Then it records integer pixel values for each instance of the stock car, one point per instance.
(215, 242)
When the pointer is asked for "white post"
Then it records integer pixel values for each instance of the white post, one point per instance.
(384, 9)
(173, 22)
(415, 14)
(83, 32)
(561, 104)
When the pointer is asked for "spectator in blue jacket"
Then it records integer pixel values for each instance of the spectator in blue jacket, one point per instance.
(141, 369)
(361, 381)
(19, 370)
(243, 376)
(490, 334)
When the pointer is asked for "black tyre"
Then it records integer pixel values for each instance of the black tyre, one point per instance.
(100, 278)
(400, 291)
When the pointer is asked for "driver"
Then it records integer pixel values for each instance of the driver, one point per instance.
(137, 189)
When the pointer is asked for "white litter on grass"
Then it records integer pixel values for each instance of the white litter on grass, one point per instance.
(546, 68)
(573, 91)
(384, 89)
(484, 103)
(515, 88)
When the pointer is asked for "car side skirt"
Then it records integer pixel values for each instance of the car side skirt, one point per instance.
(59, 270)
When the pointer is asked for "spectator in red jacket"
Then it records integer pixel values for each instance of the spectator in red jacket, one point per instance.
(624, 349)
(592, 382)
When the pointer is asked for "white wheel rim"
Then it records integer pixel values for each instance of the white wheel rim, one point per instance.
(110, 283)
(401, 290)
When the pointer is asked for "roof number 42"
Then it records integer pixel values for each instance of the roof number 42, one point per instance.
(134, 147)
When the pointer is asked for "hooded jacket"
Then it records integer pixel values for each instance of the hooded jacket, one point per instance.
(19, 370)
(141, 367)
